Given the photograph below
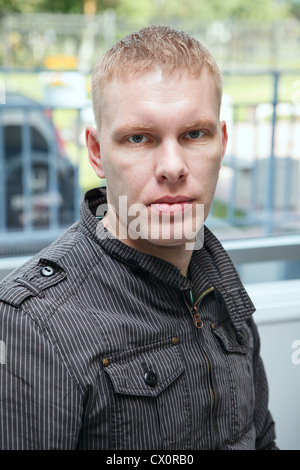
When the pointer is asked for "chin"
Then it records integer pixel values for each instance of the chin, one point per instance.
(172, 243)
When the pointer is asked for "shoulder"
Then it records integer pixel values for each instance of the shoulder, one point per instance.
(39, 313)
(39, 285)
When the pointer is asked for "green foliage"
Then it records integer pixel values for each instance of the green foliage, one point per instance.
(19, 6)
(149, 9)
(220, 9)
(295, 8)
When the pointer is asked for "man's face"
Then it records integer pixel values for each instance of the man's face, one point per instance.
(161, 145)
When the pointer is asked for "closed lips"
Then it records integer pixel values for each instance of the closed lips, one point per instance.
(173, 205)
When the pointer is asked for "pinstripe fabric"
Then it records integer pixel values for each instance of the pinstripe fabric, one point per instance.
(82, 343)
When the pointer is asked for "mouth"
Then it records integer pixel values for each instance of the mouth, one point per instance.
(172, 205)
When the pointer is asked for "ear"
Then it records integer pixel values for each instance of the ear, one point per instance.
(224, 137)
(93, 146)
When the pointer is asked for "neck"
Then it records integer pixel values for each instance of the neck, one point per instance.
(177, 255)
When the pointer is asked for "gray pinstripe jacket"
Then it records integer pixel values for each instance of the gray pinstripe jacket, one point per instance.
(101, 350)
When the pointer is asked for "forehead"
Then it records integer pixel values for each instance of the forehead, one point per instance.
(158, 93)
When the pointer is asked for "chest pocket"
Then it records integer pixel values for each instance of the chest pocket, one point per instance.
(150, 408)
(237, 347)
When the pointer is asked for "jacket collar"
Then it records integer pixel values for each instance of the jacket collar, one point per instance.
(221, 272)
(211, 262)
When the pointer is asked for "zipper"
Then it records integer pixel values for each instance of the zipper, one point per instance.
(212, 393)
(194, 309)
(199, 324)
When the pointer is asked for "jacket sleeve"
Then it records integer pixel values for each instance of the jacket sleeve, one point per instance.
(40, 406)
(264, 424)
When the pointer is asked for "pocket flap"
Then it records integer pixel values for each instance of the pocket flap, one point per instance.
(233, 341)
(145, 371)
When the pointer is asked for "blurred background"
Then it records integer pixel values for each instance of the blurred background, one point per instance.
(47, 51)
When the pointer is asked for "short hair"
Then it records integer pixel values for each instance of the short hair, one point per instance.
(152, 46)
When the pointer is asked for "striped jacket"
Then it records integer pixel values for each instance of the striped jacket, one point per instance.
(104, 347)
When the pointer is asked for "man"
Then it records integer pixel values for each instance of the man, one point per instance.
(128, 332)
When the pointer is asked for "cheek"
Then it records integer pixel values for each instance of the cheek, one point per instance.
(208, 170)
(207, 182)
(126, 169)
(125, 179)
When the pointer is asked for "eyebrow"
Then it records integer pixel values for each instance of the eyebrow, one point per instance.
(140, 128)
(207, 123)
(130, 129)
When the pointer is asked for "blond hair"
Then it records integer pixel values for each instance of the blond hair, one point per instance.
(152, 46)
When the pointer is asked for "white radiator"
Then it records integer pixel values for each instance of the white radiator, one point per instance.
(278, 320)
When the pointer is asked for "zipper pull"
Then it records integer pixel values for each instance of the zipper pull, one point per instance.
(197, 319)
(194, 310)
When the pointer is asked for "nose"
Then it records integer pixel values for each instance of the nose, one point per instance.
(171, 166)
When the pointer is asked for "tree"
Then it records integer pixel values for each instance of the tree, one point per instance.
(206, 10)
(148, 9)
(295, 8)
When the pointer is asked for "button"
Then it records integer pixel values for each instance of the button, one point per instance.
(47, 271)
(151, 378)
(240, 338)
(105, 362)
(175, 340)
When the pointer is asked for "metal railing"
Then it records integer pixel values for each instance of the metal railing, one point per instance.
(264, 160)
(81, 38)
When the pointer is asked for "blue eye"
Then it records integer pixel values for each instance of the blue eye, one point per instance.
(194, 134)
(137, 139)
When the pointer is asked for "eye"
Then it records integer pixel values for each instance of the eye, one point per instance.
(138, 139)
(194, 135)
